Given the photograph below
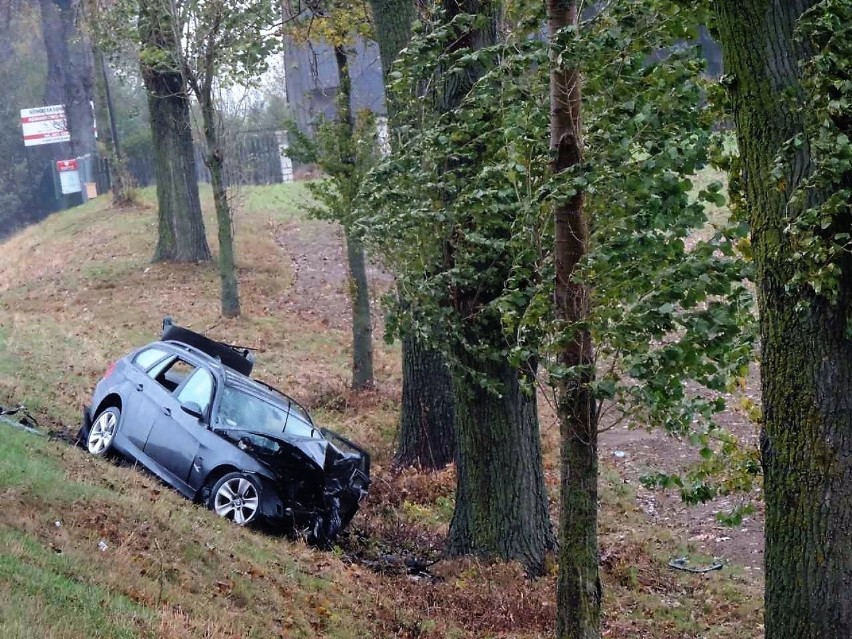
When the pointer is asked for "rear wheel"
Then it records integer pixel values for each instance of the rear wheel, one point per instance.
(102, 433)
(236, 496)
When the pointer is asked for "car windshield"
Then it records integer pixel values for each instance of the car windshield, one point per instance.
(244, 411)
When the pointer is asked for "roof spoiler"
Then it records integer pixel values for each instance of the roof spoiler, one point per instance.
(236, 357)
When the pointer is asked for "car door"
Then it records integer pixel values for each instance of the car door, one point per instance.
(143, 400)
(174, 440)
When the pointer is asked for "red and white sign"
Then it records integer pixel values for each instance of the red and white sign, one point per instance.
(66, 165)
(45, 125)
(69, 176)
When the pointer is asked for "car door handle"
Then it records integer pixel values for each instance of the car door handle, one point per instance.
(167, 411)
(139, 387)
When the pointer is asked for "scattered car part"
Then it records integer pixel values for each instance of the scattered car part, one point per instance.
(681, 563)
(23, 420)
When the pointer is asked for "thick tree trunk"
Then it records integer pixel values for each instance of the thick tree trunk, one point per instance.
(426, 431)
(806, 353)
(70, 83)
(579, 586)
(215, 160)
(427, 436)
(393, 20)
(362, 331)
(501, 500)
(181, 236)
(70, 80)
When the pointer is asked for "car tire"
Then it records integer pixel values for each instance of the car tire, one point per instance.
(236, 496)
(102, 432)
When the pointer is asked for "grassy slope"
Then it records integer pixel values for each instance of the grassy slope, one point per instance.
(76, 292)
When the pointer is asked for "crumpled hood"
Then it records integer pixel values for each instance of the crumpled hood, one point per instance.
(313, 449)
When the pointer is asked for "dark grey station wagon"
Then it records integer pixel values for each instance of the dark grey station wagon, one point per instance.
(186, 409)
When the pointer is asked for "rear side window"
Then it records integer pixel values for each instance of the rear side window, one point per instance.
(173, 374)
(150, 356)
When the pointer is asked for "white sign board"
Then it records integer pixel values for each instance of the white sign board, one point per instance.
(69, 176)
(44, 125)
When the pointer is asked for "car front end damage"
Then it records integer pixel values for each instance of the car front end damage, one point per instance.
(318, 483)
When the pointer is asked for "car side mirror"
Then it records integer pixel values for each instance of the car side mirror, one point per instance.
(192, 408)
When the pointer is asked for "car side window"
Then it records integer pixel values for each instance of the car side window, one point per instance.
(150, 356)
(172, 375)
(198, 389)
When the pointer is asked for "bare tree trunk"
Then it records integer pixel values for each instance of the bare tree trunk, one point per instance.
(806, 350)
(108, 136)
(215, 160)
(579, 586)
(501, 499)
(70, 83)
(427, 437)
(70, 80)
(362, 330)
(181, 234)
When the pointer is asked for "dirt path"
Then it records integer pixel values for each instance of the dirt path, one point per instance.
(317, 251)
(635, 452)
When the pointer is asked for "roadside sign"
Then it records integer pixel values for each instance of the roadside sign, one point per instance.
(69, 176)
(44, 125)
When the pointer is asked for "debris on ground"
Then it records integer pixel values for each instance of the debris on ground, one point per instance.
(21, 419)
(681, 563)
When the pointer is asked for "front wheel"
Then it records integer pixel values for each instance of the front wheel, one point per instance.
(236, 496)
(102, 433)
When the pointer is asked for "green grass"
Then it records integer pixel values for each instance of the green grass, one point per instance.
(27, 466)
(43, 595)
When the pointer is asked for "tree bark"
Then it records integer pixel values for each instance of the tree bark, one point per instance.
(70, 83)
(181, 235)
(427, 436)
(70, 80)
(426, 431)
(108, 135)
(806, 353)
(501, 500)
(393, 20)
(362, 330)
(215, 160)
(579, 586)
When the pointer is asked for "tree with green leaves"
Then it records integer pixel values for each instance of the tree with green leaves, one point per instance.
(787, 73)
(193, 50)
(221, 46)
(344, 148)
(579, 585)
(427, 418)
(451, 268)
(463, 210)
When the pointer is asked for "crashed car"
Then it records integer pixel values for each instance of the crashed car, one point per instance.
(186, 409)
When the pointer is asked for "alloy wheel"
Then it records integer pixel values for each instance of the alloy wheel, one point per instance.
(237, 499)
